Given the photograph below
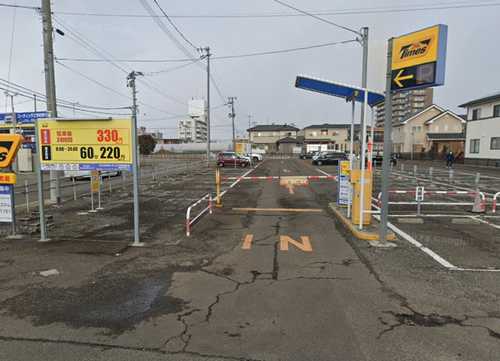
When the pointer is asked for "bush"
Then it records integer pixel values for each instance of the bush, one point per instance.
(146, 144)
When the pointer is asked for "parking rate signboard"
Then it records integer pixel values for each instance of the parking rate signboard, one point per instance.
(419, 59)
(85, 145)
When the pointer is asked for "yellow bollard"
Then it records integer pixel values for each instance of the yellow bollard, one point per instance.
(218, 202)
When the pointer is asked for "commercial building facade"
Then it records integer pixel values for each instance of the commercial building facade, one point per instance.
(483, 131)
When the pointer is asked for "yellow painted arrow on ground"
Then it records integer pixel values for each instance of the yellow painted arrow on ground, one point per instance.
(399, 78)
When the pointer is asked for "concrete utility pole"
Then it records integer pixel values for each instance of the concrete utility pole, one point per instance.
(232, 115)
(364, 84)
(135, 163)
(206, 53)
(50, 86)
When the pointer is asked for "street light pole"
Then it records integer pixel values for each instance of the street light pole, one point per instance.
(364, 85)
(135, 162)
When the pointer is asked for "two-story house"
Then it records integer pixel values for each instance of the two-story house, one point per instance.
(432, 132)
(265, 138)
(324, 137)
(483, 130)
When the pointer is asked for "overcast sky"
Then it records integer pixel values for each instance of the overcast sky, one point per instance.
(263, 85)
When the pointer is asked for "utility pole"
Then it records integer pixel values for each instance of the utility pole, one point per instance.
(232, 115)
(50, 86)
(384, 209)
(206, 53)
(364, 85)
(34, 103)
(135, 163)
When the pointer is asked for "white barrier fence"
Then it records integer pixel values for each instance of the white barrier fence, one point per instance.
(420, 194)
(190, 221)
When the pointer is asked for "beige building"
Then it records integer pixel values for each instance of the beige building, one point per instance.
(264, 138)
(324, 137)
(432, 131)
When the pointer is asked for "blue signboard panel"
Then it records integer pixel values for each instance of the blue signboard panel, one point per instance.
(24, 117)
(338, 90)
(106, 167)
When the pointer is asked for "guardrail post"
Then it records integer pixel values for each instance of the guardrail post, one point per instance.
(478, 178)
(431, 171)
(124, 177)
(99, 207)
(450, 175)
(218, 202)
(73, 185)
(26, 196)
(402, 167)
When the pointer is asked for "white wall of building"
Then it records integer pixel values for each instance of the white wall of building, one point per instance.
(483, 129)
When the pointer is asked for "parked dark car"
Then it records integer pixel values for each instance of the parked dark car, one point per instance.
(231, 159)
(378, 158)
(330, 158)
(307, 155)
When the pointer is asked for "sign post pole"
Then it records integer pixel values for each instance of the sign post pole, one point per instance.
(362, 159)
(39, 178)
(387, 148)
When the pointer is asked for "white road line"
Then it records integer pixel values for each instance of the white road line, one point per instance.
(322, 171)
(430, 252)
(485, 222)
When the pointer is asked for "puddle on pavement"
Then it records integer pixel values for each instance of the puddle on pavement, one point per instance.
(116, 304)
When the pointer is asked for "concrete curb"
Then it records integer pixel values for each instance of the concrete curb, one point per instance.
(361, 235)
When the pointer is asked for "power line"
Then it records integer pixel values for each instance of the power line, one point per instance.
(317, 17)
(108, 88)
(174, 68)
(352, 11)
(19, 6)
(165, 30)
(245, 55)
(107, 57)
(29, 93)
(174, 26)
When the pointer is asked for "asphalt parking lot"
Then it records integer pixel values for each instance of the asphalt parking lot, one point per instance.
(269, 276)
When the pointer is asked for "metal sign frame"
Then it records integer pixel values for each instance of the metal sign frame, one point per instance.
(9, 145)
(425, 63)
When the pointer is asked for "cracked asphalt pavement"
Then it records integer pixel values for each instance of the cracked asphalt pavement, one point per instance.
(255, 281)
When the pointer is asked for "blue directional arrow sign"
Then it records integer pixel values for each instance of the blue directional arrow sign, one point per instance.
(24, 117)
(338, 90)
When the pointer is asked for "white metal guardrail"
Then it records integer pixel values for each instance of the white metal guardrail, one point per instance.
(420, 193)
(494, 204)
(190, 221)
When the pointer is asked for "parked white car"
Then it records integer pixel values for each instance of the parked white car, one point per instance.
(256, 157)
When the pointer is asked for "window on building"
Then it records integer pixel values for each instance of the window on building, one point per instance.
(474, 146)
(495, 143)
(496, 110)
(324, 131)
(476, 114)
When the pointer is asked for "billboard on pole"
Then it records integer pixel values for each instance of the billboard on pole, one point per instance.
(85, 144)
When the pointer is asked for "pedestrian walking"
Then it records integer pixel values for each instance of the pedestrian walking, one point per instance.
(450, 158)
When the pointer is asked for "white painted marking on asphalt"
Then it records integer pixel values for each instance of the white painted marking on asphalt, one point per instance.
(430, 252)
(485, 222)
(324, 173)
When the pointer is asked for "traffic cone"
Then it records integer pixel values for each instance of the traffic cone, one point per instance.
(479, 206)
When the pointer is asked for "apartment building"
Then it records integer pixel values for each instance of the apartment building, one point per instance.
(405, 104)
(324, 137)
(194, 129)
